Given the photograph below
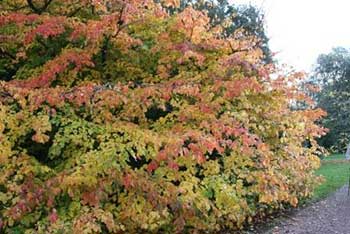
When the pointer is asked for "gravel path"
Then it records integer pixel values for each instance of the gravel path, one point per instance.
(329, 216)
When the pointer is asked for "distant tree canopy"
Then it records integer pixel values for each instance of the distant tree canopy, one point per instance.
(246, 19)
(332, 73)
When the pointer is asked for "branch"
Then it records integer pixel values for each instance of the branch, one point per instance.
(4, 53)
(104, 51)
(47, 3)
(236, 51)
(39, 10)
(241, 50)
(119, 22)
(74, 12)
(17, 8)
(4, 94)
(33, 7)
(233, 51)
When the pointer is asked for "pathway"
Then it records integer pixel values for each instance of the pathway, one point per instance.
(329, 216)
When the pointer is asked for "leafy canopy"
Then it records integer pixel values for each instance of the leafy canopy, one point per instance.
(117, 117)
(332, 73)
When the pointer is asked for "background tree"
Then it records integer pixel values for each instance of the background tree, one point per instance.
(332, 73)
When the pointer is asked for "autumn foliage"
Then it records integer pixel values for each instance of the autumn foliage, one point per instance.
(117, 117)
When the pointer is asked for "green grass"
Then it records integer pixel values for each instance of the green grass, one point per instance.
(334, 157)
(335, 171)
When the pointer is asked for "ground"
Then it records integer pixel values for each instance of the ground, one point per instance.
(328, 212)
(328, 216)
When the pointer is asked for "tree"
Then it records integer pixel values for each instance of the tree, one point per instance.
(245, 19)
(120, 118)
(332, 73)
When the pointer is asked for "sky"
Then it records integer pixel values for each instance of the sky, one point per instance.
(300, 30)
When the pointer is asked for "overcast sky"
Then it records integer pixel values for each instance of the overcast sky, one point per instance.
(302, 29)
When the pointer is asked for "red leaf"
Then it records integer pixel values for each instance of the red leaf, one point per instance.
(53, 217)
(173, 165)
(162, 155)
(50, 202)
(127, 181)
(90, 198)
(152, 166)
(52, 27)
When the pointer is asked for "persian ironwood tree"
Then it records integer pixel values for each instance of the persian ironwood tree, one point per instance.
(119, 118)
(231, 17)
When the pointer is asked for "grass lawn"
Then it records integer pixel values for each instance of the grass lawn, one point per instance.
(334, 157)
(335, 170)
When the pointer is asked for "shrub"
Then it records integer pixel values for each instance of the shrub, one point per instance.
(118, 118)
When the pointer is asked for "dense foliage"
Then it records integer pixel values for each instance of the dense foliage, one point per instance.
(233, 17)
(332, 74)
(119, 118)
